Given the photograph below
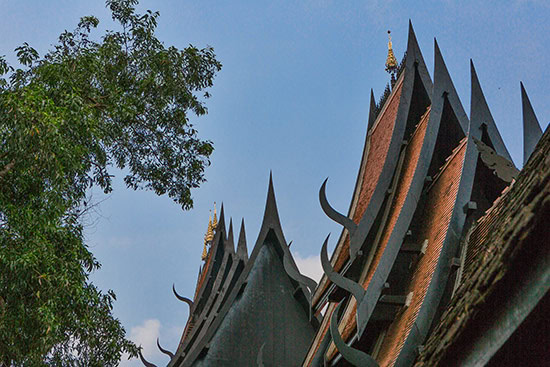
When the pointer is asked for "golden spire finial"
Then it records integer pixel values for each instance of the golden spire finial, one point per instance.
(215, 222)
(391, 62)
(204, 251)
(209, 232)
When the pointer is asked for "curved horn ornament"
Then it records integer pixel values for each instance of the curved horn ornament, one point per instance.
(333, 214)
(295, 274)
(349, 285)
(144, 361)
(307, 283)
(353, 287)
(167, 352)
(181, 298)
(354, 356)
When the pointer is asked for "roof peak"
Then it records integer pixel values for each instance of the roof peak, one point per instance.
(481, 114)
(271, 214)
(230, 244)
(372, 111)
(414, 58)
(532, 131)
(242, 251)
(444, 86)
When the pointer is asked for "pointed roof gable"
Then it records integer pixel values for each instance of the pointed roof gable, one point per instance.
(414, 58)
(380, 156)
(256, 290)
(531, 127)
(372, 111)
(480, 114)
(271, 215)
(229, 243)
(242, 251)
(444, 87)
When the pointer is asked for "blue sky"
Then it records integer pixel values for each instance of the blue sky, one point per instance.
(292, 97)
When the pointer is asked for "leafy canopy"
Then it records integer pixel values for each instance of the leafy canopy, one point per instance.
(66, 120)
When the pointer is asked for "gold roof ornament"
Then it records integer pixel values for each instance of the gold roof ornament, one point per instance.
(204, 251)
(215, 222)
(391, 62)
(210, 231)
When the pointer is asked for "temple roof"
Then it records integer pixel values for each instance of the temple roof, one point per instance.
(380, 155)
(412, 241)
(507, 252)
(443, 163)
(243, 305)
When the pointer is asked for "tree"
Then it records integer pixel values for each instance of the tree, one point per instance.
(66, 120)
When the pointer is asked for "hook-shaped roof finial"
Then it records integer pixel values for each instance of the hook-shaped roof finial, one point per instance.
(354, 356)
(182, 298)
(144, 361)
(333, 214)
(165, 351)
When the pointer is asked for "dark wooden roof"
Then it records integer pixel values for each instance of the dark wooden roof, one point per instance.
(380, 156)
(243, 305)
(506, 276)
(427, 174)
(437, 170)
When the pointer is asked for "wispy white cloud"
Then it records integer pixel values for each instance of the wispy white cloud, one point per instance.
(309, 266)
(145, 335)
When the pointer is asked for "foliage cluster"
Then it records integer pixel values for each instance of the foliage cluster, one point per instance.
(66, 120)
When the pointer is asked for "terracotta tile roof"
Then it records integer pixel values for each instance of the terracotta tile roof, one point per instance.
(499, 240)
(409, 165)
(440, 200)
(204, 271)
(479, 235)
(379, 141)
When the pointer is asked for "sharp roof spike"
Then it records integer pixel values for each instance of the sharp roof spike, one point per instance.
(230, 231)
(479, 110)
(443, 84)
(480, 114)
(242, 251)
(230, 244)
(221, 221)
(412, 44)
(372, 110)
(182, 298)
(165, 351)
(271, 215)
(532, 131)
(354, 356)
(414, 62)
(144, 361)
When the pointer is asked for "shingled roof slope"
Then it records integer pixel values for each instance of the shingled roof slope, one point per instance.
(508, 277)
(380, 155)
